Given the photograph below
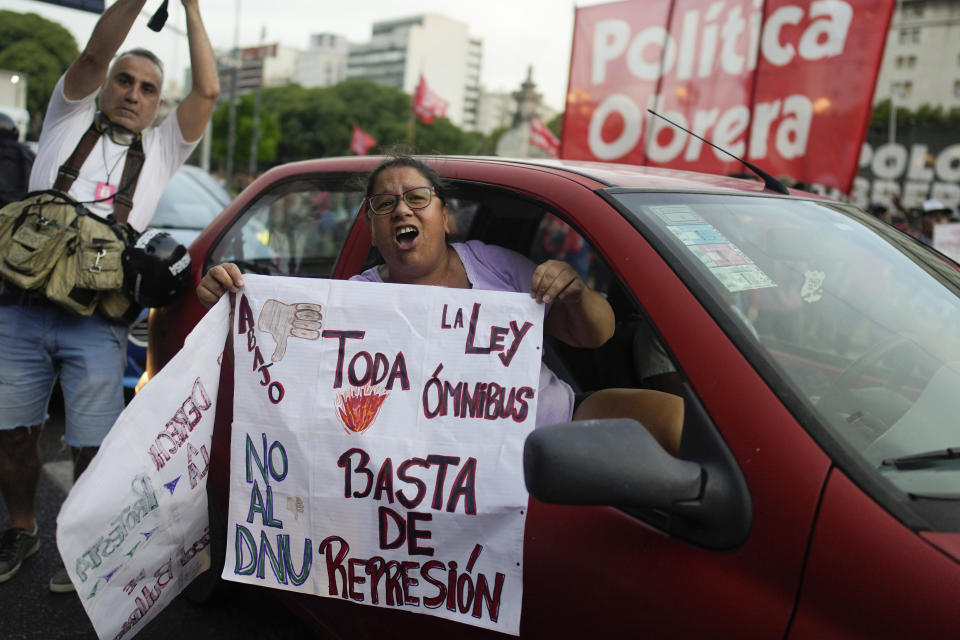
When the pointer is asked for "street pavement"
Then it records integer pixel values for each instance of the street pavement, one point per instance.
(29, 611)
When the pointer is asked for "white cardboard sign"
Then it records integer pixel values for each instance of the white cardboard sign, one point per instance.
(946, 239)
(377, 444)
(133, 530)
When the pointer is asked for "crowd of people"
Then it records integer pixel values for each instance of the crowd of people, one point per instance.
(918, 222)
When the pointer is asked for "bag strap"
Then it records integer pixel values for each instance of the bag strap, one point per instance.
(27, 159)
(123, 198)
(70, 169)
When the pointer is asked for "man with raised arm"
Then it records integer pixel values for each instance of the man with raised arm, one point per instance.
(39, 341)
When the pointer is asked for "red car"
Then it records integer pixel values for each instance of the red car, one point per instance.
(817, 494)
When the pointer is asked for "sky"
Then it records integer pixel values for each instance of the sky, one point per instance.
(515, 33)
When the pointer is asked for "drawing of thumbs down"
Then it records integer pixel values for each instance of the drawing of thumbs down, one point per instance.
(300, 320)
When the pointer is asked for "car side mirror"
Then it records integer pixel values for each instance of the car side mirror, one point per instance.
(613, 462)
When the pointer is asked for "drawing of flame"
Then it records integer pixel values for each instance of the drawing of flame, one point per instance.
(358, 408)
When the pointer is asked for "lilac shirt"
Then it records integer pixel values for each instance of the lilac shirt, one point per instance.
(494, 268)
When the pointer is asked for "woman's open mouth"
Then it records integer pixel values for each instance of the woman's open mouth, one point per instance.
(405, 236)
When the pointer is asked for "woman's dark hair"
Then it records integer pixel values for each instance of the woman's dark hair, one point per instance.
(439, 185)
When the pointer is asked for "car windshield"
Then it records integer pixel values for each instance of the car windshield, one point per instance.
(860, 320)
(191, 201)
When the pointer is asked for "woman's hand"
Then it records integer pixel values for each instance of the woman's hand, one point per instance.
(580, 316)
(556, 281)
(219, 280)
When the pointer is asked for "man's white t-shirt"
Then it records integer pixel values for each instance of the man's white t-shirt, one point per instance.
(65, 123)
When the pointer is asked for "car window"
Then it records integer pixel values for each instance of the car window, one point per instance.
(636, 356)
(294, 228)
(557, 240)
(462, 214)
(861, 321)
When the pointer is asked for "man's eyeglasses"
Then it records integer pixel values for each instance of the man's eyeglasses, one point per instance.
(381, 204)
(119, 134)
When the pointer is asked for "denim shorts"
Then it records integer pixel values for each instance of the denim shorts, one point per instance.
(39, 343)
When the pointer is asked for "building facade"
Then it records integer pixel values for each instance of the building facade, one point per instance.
(438, 47)
(495, 110)
(270, 65)
(921, 60)
(526, 103)
(324, 63)
(499, 109)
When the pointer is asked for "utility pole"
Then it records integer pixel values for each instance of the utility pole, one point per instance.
(255, 133)
(205, 145)
(892, 126)
(232, 123)
(411, 128)
(895, 89)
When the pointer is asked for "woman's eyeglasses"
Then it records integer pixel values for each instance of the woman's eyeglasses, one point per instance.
(381, 204)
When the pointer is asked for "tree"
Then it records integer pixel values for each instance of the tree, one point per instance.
(318, 122)
(556, 124)
(488, 146)
(925, 114)
(39, 48)
(267, 140)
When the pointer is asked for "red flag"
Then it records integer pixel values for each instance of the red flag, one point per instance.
(361, 141)
(427, 105)
(541, 136)
(792, 92)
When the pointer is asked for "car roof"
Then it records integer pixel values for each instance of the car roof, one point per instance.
(636, 176)
(592, 174)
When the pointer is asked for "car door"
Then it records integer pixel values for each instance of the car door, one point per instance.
(853, 327)
(737, 572)
(910, 576)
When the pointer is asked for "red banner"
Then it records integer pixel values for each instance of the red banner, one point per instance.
(541, 136)
(361, 141)
(786, 84)
(258, 53)
(427, 105)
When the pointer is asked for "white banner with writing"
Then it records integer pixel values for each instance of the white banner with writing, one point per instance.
(133, 530)
(377, 442)
(376, 456)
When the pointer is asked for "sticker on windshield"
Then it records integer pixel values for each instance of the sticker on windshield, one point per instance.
(677, 214)
(691, 234)
(742, 277)
(726, 261)
(812, 289)
(719, 255)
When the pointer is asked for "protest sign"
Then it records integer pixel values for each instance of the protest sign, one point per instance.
(133, 530)
(377, 444)
(783, 83)
(946, 239)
